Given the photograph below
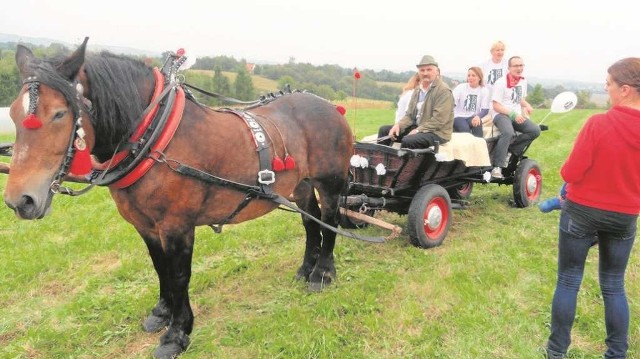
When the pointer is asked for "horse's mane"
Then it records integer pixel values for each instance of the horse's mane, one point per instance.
(115, 84)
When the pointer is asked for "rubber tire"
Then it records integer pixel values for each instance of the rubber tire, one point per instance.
(461, 192)
(431, 200)
(527, 183)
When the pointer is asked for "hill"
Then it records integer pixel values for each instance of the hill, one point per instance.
(40, 41)
(329, 81)
(260, 83)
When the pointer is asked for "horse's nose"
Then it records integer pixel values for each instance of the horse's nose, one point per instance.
(25, 207)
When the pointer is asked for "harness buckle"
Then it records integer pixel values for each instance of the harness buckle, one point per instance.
(55, 187)
(266, 177)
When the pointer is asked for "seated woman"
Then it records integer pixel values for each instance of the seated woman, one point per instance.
(471, 103)
(405, 97)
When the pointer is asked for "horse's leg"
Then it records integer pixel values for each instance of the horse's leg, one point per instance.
(161, 314)
(306, 200)
(178, 249)
(324, 271)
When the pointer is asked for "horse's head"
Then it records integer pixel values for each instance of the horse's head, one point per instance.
(50, 131)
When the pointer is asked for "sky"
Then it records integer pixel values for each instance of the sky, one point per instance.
(557, 39)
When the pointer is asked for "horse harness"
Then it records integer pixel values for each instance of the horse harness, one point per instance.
(266, 175)
(145, 147)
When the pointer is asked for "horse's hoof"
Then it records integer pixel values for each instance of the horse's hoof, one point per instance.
(167, 351)
(319, 285)
(302, 275)
(319, 280)
(315, 287)
(153, 323)
(171, 350)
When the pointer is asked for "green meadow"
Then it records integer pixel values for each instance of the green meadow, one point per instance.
(78, 283)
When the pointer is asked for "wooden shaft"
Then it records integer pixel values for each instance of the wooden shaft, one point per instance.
(395, 230)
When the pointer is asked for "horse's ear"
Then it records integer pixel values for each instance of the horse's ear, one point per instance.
(23, 57)
(71, 65)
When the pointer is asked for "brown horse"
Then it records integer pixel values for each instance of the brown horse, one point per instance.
(95, 103)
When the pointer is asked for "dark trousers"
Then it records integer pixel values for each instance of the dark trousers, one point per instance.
(615, 232)
(508, 141)
(418, 140)
(463, 124)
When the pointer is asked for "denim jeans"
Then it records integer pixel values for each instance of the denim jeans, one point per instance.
(615, 234)
(463, 124)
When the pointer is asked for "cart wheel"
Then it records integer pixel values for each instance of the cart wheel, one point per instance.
(527, 183)
(429, 216)
(352, 223)
(462, 191)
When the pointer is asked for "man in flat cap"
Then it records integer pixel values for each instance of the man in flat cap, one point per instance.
(429, 117)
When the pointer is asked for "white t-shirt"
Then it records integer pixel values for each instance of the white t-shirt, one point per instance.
(509, 97)
(403, 104)
(492, 71)
(470, 101)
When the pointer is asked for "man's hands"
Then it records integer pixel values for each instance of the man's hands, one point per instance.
(394, 132)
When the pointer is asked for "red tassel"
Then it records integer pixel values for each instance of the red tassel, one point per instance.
(277, 164)
(289, 162)
(81, 163)
(32, 122)
(341, 109)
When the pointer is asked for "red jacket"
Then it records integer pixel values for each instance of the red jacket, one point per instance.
(603, 169)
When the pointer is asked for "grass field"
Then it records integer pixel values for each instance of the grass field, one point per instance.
(78, 283)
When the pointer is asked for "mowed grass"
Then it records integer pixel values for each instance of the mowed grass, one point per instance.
(78, 283)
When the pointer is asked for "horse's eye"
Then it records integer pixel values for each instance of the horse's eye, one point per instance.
(59, 115)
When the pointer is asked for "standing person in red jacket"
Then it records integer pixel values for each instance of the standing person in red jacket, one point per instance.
(603, 203)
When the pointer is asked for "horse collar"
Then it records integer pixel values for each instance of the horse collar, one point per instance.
(157, 127)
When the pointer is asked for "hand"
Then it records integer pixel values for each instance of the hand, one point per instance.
(394, 132)
(475, 122)
(520, 119)
(413, 132)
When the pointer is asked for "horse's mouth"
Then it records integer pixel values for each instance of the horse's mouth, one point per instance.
(28, 207)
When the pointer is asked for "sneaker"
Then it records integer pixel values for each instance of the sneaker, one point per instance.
(550, 204)
(496, 172)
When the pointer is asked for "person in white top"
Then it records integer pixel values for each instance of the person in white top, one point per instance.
(405, 97)
(510, 112)
(496, 67)
(471, 100)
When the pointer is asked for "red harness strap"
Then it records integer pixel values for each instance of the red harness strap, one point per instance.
(161, 143)
(141, 128)
(165, 137)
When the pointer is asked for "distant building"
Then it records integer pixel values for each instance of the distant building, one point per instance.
(250, 67)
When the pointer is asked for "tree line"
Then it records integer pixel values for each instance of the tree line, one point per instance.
(329, 81)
